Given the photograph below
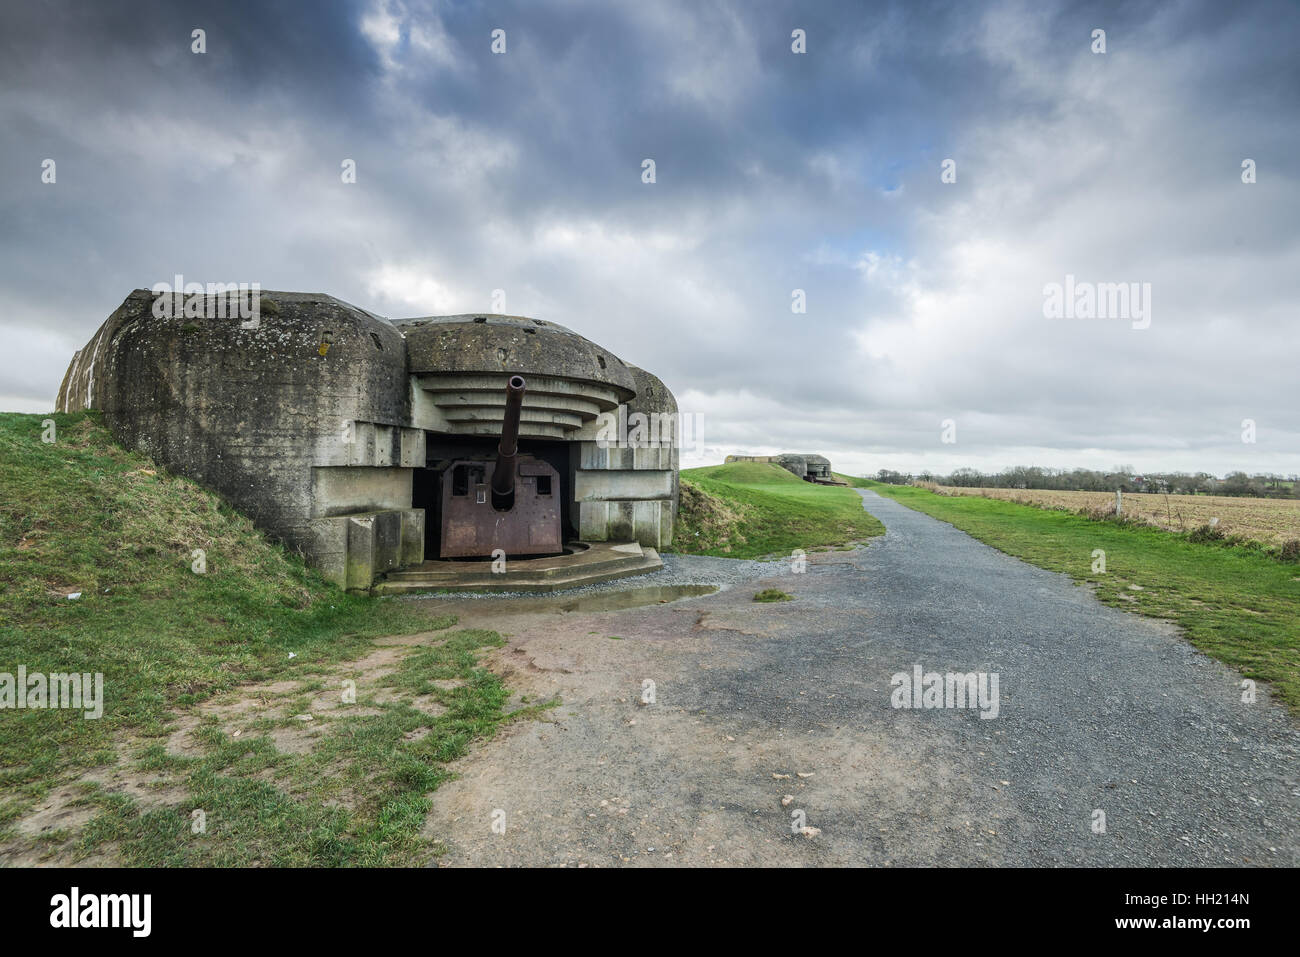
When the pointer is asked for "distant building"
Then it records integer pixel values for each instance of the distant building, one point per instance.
(810, 468)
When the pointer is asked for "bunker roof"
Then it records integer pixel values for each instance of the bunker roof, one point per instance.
(490, 343)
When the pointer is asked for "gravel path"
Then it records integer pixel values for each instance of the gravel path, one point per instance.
(1099, 710)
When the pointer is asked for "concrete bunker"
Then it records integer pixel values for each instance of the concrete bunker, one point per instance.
(359, 441)
(810, 468)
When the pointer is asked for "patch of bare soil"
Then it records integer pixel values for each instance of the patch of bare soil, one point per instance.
(302, 709)
(46, 832)
(62, 808)
(630, 770)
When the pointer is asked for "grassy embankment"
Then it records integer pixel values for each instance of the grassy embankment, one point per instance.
(83, 515)
(757, 509)
(1238, 604)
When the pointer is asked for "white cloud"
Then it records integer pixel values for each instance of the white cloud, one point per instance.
(411, 290)
(777, 172)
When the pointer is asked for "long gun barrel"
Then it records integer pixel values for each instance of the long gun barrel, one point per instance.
(503, 473)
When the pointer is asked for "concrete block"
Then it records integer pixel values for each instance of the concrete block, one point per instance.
(645, 522)
(362, 450)
(341, 491)
(361, 552)
(412, 549)
(593, 521)
(413, 449)
(656, 458)
(374, 547)
(388, 542)
(621, 485)
(326, 543)
(621, 525)
(384, 452)
(592, 456)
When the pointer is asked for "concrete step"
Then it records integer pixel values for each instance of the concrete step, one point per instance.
(431, 570)
(603, 561)
(598, 555)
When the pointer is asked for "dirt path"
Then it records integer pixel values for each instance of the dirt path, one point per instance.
(753, 703)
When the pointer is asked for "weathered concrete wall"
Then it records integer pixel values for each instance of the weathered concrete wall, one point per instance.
(817, 465)
(458, 365)
(248, 412)
(631, 492)
(510, 344)
(304, 420)
(801, 464)
(346, 489)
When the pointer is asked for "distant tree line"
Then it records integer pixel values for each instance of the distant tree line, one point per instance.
(1123, 477)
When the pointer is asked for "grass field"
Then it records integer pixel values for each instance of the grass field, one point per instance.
(1237, 604)
(757, 509)
(81, 515)
(1271, 521)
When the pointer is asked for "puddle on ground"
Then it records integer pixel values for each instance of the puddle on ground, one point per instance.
(612, 600)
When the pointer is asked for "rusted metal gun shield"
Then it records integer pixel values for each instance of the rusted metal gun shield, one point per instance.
(472, 528)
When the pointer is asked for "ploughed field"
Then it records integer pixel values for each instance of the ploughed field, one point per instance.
(1271, 521)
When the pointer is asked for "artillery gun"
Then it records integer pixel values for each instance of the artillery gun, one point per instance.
(510, 502)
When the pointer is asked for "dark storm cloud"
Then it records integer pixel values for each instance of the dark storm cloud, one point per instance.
(775, 172)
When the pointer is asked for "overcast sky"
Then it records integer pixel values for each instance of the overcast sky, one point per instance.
(775, 171)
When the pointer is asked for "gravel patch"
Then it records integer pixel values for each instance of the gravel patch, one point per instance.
(1115, 742)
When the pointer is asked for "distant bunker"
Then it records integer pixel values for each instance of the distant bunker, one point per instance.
(428, 446)
(810, 468)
